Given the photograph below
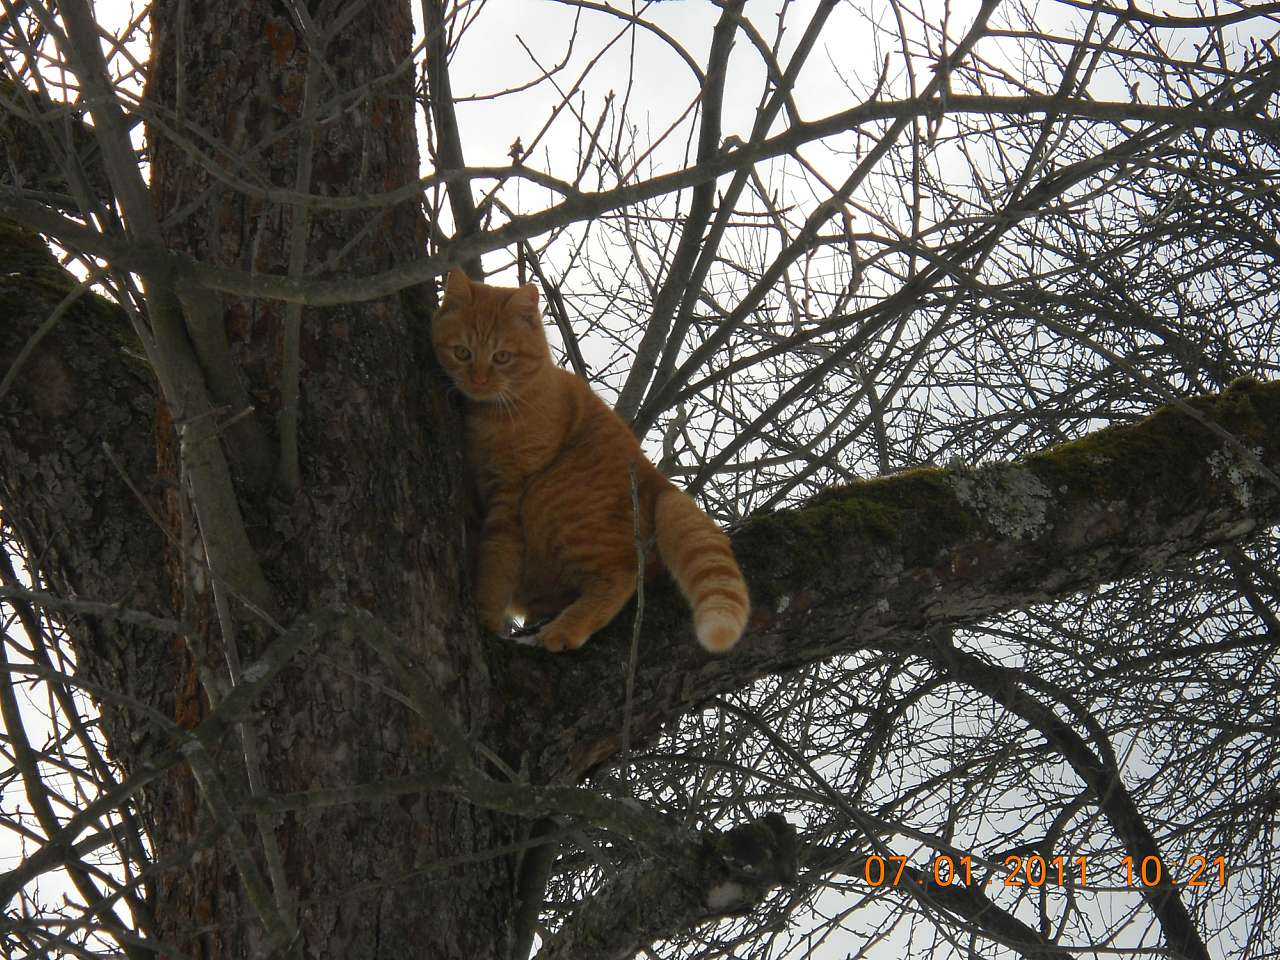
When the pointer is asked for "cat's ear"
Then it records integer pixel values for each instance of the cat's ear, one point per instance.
(524, 302)
(458, 287)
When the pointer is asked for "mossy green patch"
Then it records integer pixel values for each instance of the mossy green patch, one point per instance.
(913, 515)
(1153, 454)
(1250, 410)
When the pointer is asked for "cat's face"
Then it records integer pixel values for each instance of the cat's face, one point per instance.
(489, 339)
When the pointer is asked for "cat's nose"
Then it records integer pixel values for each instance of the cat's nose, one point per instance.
(479, 378)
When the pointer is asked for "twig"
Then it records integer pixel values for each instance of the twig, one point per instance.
(289, 474)
(625, 755)
(96, 608)
(555, 304)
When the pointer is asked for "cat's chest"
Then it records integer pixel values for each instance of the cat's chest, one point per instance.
(509, 450)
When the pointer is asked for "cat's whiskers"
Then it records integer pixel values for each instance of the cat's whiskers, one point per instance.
(510, 403)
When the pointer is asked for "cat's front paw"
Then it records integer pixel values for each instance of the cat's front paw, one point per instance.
(556, 637)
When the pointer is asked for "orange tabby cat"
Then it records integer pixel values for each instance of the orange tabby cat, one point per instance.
(552, 466)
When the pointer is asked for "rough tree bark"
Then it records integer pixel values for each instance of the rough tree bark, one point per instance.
(369, 515)
(372, 519)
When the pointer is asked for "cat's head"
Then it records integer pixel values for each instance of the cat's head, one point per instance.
(489, 339)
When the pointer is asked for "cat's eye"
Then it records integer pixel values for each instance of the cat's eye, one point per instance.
(502, 356)
(462, 353)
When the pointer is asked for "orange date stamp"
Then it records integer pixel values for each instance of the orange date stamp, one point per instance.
(1037, 871)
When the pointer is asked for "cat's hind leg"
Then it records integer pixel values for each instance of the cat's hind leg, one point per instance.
(601, 599)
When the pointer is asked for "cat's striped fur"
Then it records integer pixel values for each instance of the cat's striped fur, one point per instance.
(552, 467)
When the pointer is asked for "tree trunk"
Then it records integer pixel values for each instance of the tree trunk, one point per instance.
(373, 517)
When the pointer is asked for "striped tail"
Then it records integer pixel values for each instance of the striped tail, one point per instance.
(698, 555)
